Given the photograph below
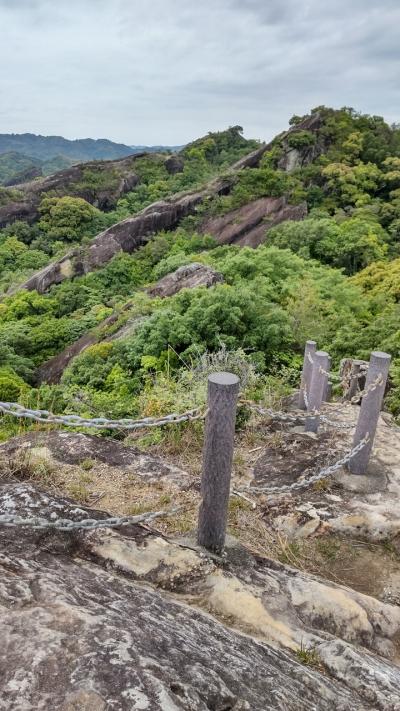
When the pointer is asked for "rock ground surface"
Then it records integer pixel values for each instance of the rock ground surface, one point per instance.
(127, 619)
(134, 618)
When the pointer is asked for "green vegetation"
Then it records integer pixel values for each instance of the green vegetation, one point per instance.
(15, 167)
(309, 657)
(331, 276)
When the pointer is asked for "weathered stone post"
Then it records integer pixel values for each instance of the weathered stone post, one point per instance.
(328, 385)
(309, 351)
(354, 373)
(319, 379)
(223, 389)
(369, 411)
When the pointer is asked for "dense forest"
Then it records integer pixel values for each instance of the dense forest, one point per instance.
(333, 276)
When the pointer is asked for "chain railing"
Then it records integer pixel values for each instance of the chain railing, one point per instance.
(369, 389)
(222, 400)
(342, 380)
(65, 524)
(297, 417)
(16, 410)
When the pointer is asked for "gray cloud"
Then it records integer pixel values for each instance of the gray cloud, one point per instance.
(151, 71)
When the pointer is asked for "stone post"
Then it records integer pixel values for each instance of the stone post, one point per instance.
(328, 385)
(223, 389)
(354, 373)
(317, 388)
(309, 351)
(369, 411)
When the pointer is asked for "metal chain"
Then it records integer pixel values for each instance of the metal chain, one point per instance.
(334, 376)
(300, 417)
(17, 410)
(327, 471)
(338, 425)
(65, 524)
(273, 414)
(363, 393)
(13, 408)
(369, 389)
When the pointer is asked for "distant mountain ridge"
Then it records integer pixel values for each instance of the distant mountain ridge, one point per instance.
(47, 147)
(24, 156)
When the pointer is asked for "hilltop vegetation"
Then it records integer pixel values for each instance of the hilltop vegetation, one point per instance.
(333, 276)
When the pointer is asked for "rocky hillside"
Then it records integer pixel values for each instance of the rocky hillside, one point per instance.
(82, 311)
(100, 183)
(245, 225)
(17, 168)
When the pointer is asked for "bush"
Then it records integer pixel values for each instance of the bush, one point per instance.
(11, 385)
(301, 139)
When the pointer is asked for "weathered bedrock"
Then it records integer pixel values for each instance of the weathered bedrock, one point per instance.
(127, 619)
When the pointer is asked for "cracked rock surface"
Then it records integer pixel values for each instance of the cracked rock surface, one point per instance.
(127, 619)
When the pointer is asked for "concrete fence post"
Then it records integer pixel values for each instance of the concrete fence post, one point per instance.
(317, 388)
(369, 411)
(223, 389)
(309, 351)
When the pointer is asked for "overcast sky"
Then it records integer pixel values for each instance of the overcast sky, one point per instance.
(168, 71)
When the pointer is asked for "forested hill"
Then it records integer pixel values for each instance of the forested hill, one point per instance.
(46, 147)
(302, 237)
(27, 156)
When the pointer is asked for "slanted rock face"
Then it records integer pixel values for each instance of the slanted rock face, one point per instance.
(85, 624)
(245, 227)
(52, 370)
(125, 236)
(248, 225)
(189, 276)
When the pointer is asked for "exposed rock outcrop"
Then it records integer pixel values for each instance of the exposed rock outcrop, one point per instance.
(175, 164)
(75, 447)
(114, 179)
(85, 623)
(126, 236)
(189, 276)
(293, 158)
(131, 233)
(247, 226)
